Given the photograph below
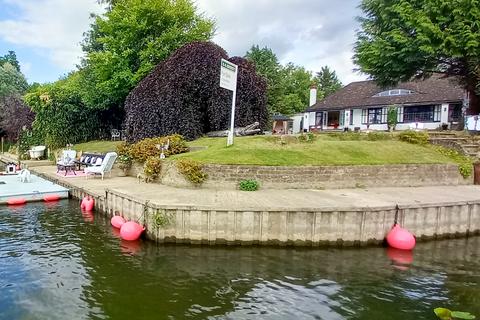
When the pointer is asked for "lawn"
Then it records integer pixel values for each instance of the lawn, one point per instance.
(325, 150)
(97, 146)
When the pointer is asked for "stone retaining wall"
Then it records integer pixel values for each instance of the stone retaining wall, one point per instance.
(337, 177)
(319, 177)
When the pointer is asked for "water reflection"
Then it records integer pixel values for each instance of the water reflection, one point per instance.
(56, 259)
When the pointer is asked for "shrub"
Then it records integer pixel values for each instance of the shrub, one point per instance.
(392, 117)
(415, 137)
(152, 168)
(147, 148)
(376, 136)
(192, 170)
(346, 136)
(249, 185)
(182, 95)
(124, 161)
(307, 137)
(465, 163)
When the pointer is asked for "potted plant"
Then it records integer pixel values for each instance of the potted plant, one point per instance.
(124, 163)
(392, 115)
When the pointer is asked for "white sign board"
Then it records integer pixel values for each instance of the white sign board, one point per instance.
(228, 80)
(228, 75)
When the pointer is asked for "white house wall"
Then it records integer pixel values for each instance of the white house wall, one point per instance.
(297, 121)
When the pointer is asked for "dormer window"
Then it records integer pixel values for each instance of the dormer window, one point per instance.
(394, 92)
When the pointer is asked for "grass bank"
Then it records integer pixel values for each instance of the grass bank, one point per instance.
(324, 150)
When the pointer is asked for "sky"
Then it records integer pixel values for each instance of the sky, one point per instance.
(46, 34)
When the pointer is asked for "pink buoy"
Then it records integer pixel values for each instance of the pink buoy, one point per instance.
(400, 238)
(117, 221)
(89, 204)
(131, 231)
(82, 204)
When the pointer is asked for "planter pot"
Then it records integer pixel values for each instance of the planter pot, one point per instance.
(123, 172)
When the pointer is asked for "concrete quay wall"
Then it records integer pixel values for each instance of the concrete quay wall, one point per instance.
(303, 227)
(282, 226)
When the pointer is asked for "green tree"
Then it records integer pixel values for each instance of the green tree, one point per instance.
(11, 58)
(403, 39)
(12, 81)
(327, 81)
(267, 65)
(296, 83)
(61, 116)
(130, 39)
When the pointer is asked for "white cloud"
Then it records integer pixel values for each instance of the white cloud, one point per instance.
(25, 67)
(52, 27)
(311, 33)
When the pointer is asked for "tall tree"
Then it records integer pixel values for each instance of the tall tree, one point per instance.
(327, 81)
(403, 39)
(288, 86)
(11, 58)
(12, 81)
(267, 65)
(296, 82)
(133, 36)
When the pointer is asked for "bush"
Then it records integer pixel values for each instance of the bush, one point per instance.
(147, 148)
(415, 137)
(152, 168)
(346, 136)
(182, 95)
(249, 185)
(465, 163)
(392, 117)
(377, 136)
(192, 170)
(307, 137)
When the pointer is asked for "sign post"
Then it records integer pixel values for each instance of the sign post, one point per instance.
(228, 80)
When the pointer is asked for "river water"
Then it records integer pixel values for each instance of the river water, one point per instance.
(57, 263)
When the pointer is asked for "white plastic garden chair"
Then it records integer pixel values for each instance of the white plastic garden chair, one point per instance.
(105, 167)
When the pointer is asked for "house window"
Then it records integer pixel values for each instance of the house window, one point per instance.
(351, 117)
(422, 114)
(394, 92)
(372, 116)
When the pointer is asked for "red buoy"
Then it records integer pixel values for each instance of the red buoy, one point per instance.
(51, 197)
(117, 221)
(82, 204)
(131, 231)
(400, 238)
(87, 203)
(16, 201)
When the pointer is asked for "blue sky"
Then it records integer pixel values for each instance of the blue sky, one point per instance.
(34, 65)
(45, 34)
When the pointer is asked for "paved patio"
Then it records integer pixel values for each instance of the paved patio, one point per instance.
(309, 200)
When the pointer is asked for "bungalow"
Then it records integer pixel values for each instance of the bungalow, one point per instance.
(426, 104)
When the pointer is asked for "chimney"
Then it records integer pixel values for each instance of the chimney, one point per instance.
(313, 94)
